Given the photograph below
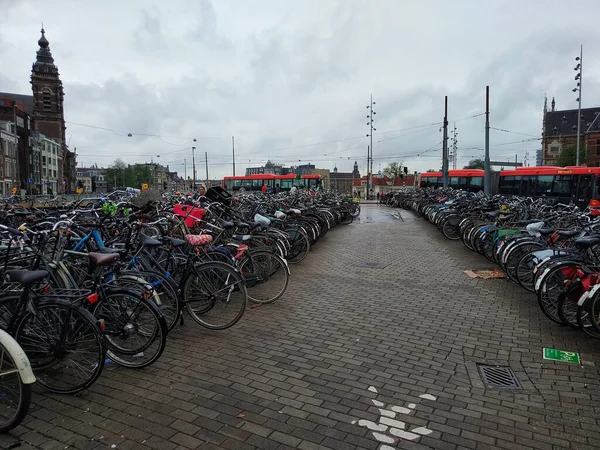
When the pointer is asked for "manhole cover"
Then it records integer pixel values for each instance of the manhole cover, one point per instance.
(372, 265)
(499, 377)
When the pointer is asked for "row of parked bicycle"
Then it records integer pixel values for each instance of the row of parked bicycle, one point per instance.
(552, 250)
(107, 282)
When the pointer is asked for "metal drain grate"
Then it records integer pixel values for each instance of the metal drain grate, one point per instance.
(499, 377)
(372, 265)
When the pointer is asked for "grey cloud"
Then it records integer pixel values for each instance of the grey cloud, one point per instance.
(276, 80)
(205, 28)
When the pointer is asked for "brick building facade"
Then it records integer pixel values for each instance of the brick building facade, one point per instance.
(560, 130)
(43, 112)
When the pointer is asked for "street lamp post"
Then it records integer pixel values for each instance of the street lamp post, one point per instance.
(579, 79)
(370, 152)
(193, 168)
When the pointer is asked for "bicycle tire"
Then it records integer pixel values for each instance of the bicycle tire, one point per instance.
(22, 407)
(35, 352)
(234, 283)
(274, 264)
(137, 356)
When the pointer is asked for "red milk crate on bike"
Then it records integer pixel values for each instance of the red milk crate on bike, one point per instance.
(189, 213)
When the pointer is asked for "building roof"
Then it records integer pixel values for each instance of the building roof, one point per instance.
(24, 100)
(409, 180)
(564, 123)
(341, 175)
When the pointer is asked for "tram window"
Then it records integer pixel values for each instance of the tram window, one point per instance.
(477, 181)
(527, 186)
(286, 184)
(454, 182)
(562, 185)
(517, 187)
(584, 189)
(506, 185)
(543, 185)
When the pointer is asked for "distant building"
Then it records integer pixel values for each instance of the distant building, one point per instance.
(158, 175)
(52, 159)
(343, 182)
(11, 112)
(560, 130)
(42, 112)
(539, 157)
(92, 179)
(9, 163)
(325, 177)
(269, 167)
(383, 185)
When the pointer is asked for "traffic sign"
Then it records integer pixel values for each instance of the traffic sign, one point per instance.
(561, 355)
(30, 181)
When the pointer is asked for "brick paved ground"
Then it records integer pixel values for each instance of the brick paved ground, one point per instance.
(302, 373)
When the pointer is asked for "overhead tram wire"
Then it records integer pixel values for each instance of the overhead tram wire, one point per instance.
(417, 129)
(124, 133)
(512, 132)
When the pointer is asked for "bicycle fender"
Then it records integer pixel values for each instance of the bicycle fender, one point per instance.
(19, 357)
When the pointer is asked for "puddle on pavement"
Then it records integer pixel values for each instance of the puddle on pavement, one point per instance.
(379, 214)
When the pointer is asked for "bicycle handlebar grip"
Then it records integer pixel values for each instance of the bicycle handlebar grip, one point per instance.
(11, 230)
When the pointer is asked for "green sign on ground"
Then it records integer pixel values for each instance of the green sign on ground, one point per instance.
(560, 355)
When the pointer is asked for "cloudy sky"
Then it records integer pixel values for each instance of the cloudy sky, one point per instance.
(291, 79)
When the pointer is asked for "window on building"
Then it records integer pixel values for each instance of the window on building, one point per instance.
(54, 173)
(47, 99)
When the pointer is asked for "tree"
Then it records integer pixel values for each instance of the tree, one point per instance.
(474, 164)
(393, 170)
(433, 170)
(568, 155)
(121, 175)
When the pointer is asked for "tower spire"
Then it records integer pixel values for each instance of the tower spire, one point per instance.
(44, 56)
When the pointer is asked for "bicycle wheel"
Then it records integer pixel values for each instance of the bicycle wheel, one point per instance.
(16, 394)
(65, 346)
(136, 331)
(524, 271)
(266, 275)
(551, 288)
(215, 295)
(300, 245)
(165, 295)
(584, 320)
(567, 304)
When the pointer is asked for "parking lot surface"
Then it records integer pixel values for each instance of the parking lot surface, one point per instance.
(376, 345)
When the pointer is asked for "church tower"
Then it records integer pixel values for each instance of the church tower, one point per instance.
(48, 95)
(355, 172)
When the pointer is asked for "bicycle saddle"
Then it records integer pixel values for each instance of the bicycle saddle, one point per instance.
(27, 278)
